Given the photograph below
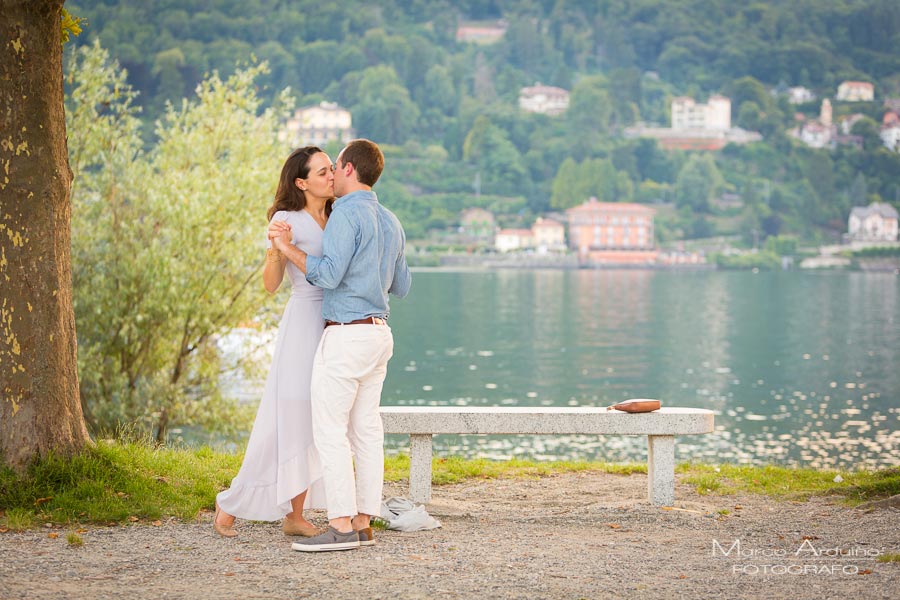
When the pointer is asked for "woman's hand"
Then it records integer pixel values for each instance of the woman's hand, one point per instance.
(282, 240)
(277, 228)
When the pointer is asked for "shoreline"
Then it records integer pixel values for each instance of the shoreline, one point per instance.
(865, 266)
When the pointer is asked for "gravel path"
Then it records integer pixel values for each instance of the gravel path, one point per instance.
(587, 535)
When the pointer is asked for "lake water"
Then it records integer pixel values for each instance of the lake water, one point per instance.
(801, 368)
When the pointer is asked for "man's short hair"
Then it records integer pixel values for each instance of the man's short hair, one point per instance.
(366, 158)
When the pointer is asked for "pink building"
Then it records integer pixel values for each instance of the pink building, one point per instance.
(612, 232)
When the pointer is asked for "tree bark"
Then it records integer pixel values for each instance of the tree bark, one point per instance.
(40, 409)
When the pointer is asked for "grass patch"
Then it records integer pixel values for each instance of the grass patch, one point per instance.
(75, 540)
(726, 479)
(454, 470)
(791, 484)
(18, 519)
(889, 558)
(874, 485)
(706, 483)
(112, 481)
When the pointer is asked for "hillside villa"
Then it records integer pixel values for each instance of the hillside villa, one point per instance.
(544, 99)
(869, 226)
(822, 132)
(874, 223)
(715, 115)
(697, 126)
(319, 124)
(855, 91)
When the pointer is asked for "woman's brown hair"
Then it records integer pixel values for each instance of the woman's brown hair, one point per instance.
(288, 196)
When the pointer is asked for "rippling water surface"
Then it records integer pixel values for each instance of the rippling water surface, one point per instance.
(801, 368)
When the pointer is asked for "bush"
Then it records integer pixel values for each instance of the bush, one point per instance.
(764, 260)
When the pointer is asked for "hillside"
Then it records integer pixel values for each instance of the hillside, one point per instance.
(448, 112)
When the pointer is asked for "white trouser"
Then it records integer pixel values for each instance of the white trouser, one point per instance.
(348, 373)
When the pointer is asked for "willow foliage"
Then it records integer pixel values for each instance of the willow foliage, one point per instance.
(167, 242)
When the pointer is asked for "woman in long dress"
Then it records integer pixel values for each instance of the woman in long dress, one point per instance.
(281, 474)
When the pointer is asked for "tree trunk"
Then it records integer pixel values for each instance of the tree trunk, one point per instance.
(40, 410)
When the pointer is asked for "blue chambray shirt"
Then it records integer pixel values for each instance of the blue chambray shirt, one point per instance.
(362, 260)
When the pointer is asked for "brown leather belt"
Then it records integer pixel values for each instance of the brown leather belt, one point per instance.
(366, 321)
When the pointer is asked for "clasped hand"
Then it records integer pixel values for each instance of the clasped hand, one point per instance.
(279, 234)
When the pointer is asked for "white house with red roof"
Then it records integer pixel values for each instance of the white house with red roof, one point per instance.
(856, 91)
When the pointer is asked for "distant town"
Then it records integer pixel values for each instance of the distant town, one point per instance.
(597, 234)
(694, 125)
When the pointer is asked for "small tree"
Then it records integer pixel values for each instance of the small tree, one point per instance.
(588, 114)
(698, 182)
(575, 183)
(384, 110)
(173, 239)
(498, 160)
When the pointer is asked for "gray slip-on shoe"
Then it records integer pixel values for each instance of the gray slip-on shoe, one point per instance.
(332, 539)
(366, 537)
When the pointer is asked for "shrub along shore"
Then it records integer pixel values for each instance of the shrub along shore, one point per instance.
(117, 482)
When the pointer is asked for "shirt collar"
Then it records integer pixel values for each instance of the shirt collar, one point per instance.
(358, 195)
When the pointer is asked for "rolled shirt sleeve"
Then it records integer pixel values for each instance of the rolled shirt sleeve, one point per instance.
(338, 247)
(402, 279)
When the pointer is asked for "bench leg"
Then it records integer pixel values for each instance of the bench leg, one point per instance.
(420, 468)
(661, 469)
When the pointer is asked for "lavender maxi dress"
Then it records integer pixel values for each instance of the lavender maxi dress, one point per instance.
(281, 459)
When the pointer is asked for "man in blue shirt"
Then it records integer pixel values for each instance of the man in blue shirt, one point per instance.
(362, 262)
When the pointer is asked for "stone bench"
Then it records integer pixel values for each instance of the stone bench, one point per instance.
(660, 427)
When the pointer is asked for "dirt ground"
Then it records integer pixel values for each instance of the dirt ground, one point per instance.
(587, 535)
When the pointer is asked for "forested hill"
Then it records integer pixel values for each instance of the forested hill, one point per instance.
(448, 110)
